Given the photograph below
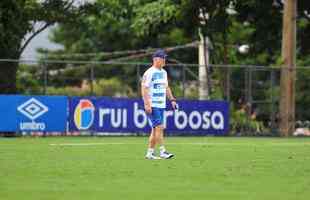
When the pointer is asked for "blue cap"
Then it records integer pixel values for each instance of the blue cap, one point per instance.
(160, 54)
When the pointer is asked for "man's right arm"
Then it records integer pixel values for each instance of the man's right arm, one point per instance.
(146, 99)
(145, 91)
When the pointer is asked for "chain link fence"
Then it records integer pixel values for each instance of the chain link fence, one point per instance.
(253, 91)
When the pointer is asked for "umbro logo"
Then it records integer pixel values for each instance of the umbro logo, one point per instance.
(32, 108)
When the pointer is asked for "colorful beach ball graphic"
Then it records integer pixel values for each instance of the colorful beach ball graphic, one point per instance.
(84, 114)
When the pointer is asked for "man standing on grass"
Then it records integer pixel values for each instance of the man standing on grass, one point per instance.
(155, 89)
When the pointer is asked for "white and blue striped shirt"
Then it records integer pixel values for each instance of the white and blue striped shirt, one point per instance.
(156, 80)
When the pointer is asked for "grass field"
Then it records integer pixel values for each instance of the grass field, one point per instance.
(115, 168)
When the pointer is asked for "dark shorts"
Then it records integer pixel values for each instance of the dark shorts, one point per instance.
(157, 116)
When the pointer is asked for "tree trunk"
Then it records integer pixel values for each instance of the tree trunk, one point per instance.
(8, 72)
(288, 73)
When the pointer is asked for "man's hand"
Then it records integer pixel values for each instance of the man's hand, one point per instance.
(174, 105)
(171, 98)
(148, 108)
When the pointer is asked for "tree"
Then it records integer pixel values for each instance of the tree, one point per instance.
(111, 29)
(19, 17)
(265, 39)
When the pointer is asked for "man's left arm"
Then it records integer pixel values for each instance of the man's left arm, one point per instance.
(169, 94)
(171, 98)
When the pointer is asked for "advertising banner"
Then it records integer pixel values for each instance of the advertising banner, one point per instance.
(33, 113)
(117, 115)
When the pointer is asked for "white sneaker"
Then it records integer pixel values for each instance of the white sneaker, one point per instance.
(166, 155)
(152, 157)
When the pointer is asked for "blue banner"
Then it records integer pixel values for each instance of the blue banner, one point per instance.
(33, 113)
(119, 115)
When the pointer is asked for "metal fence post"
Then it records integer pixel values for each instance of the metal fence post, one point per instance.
(272, 106)
(183, 81)
(228, 76)
(92, 78)
(45, 73)
(138, 79)
(247, 102)
(250, 86)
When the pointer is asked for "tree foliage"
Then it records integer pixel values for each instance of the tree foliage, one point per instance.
(19, 18)
(135, 24)
(115, 25)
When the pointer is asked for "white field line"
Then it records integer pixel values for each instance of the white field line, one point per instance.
(87, 144)
(193, 143)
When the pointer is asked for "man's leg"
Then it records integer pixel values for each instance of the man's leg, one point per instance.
(152, 140)
(160, 141)
(151, 145)
(157, 135)
(160, 137)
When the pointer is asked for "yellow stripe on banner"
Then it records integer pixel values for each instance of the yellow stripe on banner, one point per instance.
(77, 116)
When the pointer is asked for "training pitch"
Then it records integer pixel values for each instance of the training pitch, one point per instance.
(74, 168)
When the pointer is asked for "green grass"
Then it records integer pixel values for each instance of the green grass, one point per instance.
(115, 168)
